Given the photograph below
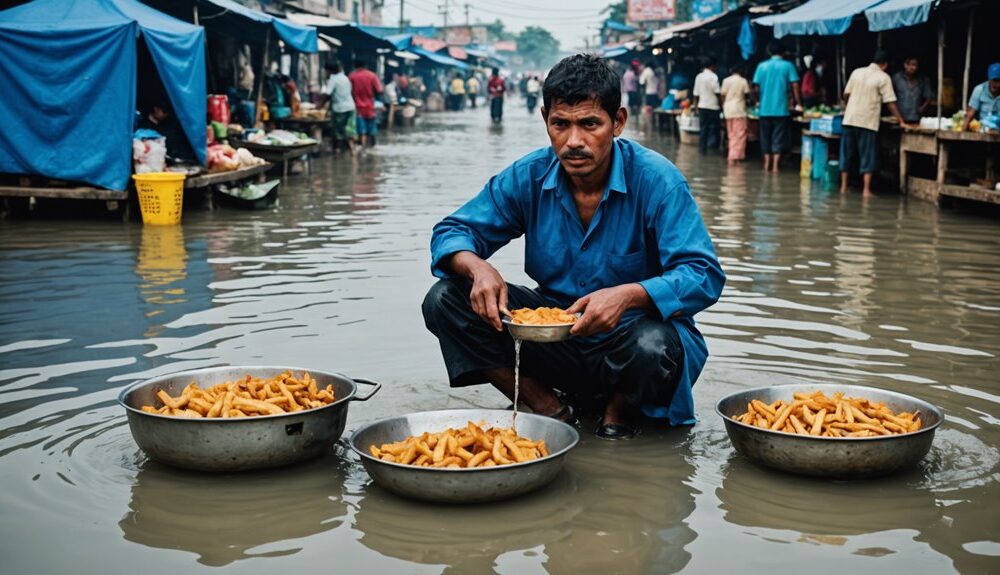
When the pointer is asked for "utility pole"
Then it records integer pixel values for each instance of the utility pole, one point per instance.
(443, 10)
(401, 4)
(467, 14)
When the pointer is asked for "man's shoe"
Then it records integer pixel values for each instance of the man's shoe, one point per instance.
(616, 431)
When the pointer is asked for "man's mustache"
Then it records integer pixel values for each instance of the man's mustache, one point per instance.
(577, 155)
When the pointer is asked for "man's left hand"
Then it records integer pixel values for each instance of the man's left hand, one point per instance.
(603, 309)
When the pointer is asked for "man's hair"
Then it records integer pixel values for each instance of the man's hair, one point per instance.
(911, 57)
(495, 71)
(334, 67)
(776, 48)
(880, 57)
(583, 77)
(739, 68)
(359, 63)
(708, 61)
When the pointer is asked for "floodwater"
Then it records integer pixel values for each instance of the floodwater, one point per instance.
(822, 288)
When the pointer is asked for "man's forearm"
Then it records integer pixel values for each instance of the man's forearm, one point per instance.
(638, 297)
(463, 263)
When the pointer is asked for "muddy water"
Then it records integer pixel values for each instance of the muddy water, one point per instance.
(822, 288)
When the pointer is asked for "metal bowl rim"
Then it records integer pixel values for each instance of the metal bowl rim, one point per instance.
(928, 429)
(231, 420)
(507, 320)
(550, 457)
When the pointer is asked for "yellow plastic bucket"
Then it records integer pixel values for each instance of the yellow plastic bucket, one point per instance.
(161, 197)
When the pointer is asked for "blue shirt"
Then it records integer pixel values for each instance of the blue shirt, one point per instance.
(983, 102)
(773, 77)
(647, 229)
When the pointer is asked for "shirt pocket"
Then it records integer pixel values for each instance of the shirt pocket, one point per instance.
(627, 268)
(547, 262)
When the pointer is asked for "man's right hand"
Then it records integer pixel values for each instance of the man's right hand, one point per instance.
(489, 290)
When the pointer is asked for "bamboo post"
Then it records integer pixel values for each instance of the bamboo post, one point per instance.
(968, 58)
(940, 81)
(195, 8)
(260, 80)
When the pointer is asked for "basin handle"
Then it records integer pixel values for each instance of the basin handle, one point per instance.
(377, 385)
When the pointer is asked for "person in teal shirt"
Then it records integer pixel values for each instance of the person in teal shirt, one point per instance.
(611, 231)
(771, 82)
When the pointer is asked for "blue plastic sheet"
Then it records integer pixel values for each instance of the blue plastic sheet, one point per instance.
(817, 17)
(747, 39)
(893, 14)
(68, 68)
(300, 37)
(441, 59)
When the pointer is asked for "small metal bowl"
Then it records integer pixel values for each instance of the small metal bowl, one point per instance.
(839, 457)
(476, 485)
(548, 333)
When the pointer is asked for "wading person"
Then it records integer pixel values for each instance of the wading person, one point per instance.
(495, 90)
(343, 118)
(772, 81)
(735, 89)
(706, 101)
(867, 89)
(611, 231)
(365, 86)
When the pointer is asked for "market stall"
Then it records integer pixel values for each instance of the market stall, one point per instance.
(59, 59)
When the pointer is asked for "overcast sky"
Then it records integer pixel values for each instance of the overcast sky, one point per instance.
(570, 21)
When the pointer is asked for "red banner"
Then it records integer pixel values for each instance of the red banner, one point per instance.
(646, 10)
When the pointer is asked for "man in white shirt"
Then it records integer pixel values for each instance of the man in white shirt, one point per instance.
(343, 118)
(735, 90)
(867, 89)
(650, 88)
(706, 101)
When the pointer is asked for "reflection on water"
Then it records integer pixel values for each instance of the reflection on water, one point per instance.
(822, 288)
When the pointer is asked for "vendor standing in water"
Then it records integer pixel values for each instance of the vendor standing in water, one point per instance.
(612, 231)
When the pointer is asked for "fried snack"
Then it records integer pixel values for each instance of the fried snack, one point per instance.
(541, 316)
(245, 398)
(464, 448)
(821, 416)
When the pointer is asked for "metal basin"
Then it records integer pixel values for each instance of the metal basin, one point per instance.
(238, 444)
(474, 485)
(839, 457)
(538, 333)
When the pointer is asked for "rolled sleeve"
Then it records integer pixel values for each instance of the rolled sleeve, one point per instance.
(974, 102)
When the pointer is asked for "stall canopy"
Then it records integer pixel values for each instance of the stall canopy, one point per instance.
(350, 34)
(893, 14)
(440, 59)
(817, 17)
(68, 71)
(237, 21)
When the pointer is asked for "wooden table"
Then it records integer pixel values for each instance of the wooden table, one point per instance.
(939, 144)
(668, 118)
(114, 199)
(212, 178)
(281, 154)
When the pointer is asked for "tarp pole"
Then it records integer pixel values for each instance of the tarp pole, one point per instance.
(940, 82)
(260, 80)
(195, 9)
(968, 57)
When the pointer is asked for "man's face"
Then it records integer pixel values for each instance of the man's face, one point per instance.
(911, 66)
(995, 87)
(582, 135)
(159, 114)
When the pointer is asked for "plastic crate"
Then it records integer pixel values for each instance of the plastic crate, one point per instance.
(831, 125)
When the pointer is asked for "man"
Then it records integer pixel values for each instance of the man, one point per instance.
(706, 101)
(985, 99)
(160, 119)
(867, 89)
(365, 85)
(813, 86)
(343, 113)
(734, 92)
(531, 90)
(650, 88)
(611, 230)
(771, 82)
(913, 91)
(472, 88)
(495, 90)
(630, 85)
(456, 92)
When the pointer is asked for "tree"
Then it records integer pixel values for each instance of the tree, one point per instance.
(537, 46)
(617, 11)
(497, 31)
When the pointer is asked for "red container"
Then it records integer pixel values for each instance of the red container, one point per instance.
(218, 108)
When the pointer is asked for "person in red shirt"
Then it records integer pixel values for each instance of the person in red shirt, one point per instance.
(496, 88)
(365, 85)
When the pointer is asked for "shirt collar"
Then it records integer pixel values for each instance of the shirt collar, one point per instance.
(616, 175)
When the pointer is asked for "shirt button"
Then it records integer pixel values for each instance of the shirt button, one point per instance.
(583, 284)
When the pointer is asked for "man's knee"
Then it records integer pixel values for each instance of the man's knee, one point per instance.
(440, 295)
(657, 346)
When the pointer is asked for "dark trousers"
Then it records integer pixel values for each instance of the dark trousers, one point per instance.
(496, 109)
(708, 137)
(642, 358)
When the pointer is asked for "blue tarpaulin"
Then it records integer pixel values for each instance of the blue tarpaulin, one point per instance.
(68, 71)
(441, 59)
(817, 17)
(893, 14)
(297, 36)
(747, 39)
